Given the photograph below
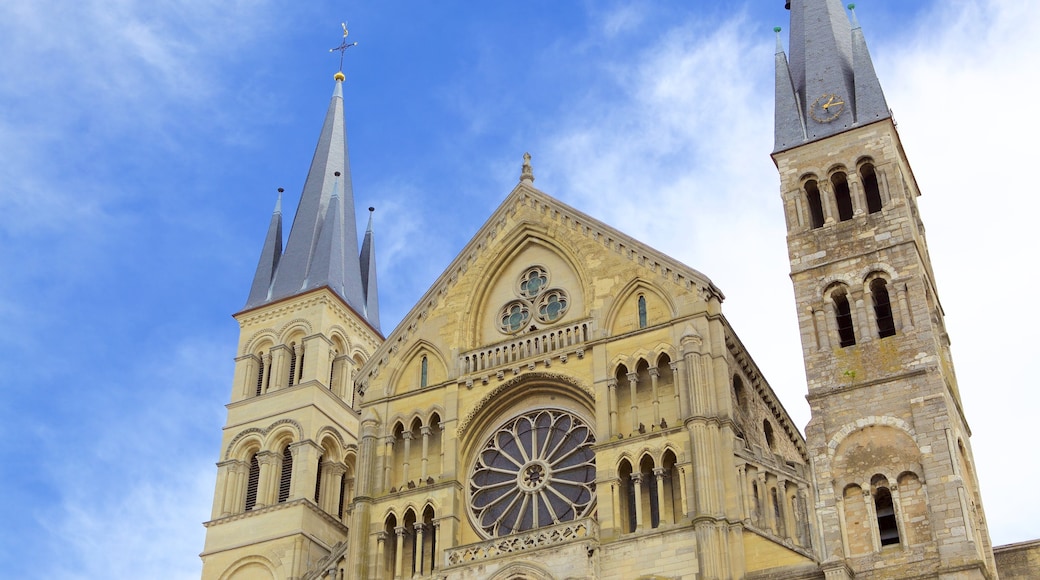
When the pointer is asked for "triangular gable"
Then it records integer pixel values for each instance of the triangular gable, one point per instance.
(526, 219)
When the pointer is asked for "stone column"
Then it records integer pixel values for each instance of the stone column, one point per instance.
(804, 537)
(654, 374)
(225, 480)
(905, 321)
(830, 209)
(381, 538)
(823, 336)
(742, 490)
(637, 480)
(682, 391)
(781, 507)
(399, 555)
(407, 436)
(420, 550)
(266, 489)
(426, 432)
(875, 533)
(633, 381)
(765, 518)
(872, 322)
(265, 383)
(306, 455)
(664, 508)
(388, 462)
(612, 407)
(279, 372)
(332, 473)
(615, 497)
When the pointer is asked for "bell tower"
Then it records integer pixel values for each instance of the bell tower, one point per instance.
(897, 493)
(289, 450)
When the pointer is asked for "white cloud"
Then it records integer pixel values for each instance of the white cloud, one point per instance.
(957, 84)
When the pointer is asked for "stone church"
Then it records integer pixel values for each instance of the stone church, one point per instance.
(566, 402)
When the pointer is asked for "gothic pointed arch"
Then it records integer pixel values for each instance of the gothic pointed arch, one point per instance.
(625, 313)
(423, 365)
(529, 246)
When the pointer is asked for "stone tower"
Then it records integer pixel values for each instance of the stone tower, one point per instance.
(289, 447)
(896, 489)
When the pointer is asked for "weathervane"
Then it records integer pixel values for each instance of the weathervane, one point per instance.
(342, 48)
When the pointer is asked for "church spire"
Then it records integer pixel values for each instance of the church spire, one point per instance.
(323, 244)
(269, 257)
(368, 274)
(833, 85)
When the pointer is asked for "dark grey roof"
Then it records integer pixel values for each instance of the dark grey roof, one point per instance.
(323, 244)
(272, 252)
(368, 274)
(828, 57)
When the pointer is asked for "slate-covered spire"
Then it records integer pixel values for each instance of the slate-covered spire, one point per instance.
(323, 244)
(368, 274)
(272, 252)
(832, 78)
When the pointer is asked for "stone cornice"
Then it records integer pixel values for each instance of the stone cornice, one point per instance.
(305, 502)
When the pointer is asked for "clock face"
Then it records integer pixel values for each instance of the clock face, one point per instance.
(827, 108)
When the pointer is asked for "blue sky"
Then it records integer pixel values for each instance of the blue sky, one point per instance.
(141, 145)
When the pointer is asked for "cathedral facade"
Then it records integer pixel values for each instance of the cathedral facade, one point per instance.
(567, 402)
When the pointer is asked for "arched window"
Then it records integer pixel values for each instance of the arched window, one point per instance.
(882, 308)
(886, 517)
(424, 373)
(767, 429)
(812, 195)
(842, 196)
(286, 479)
(628, 497)
(253, 483)
(739, 392)
(649, 492)
(390, 546)
(870, 187)
(642, 311)
(843, 317)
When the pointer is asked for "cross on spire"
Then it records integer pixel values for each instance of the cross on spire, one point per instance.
(342, 48)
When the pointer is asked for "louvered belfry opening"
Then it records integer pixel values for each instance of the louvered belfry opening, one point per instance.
(286, 479)
(252, 483)
(317, 482)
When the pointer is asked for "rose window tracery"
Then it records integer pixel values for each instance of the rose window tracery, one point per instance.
(536, 470)
(535, 300)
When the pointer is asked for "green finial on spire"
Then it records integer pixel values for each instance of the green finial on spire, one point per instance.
(777, 29)
(852, 6)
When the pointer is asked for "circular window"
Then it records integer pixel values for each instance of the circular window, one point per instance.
(533, 281)
(552, 305)
(513, 318)
(536, 470)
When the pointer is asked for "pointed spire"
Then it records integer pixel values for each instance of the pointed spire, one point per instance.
(368, 274)
(833, 84)
(327, 267)
(870, 99)
(269, 257)
(790, 125)
(322, 249)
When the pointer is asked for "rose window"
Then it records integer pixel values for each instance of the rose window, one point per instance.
(536, 470)
(535, 299)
